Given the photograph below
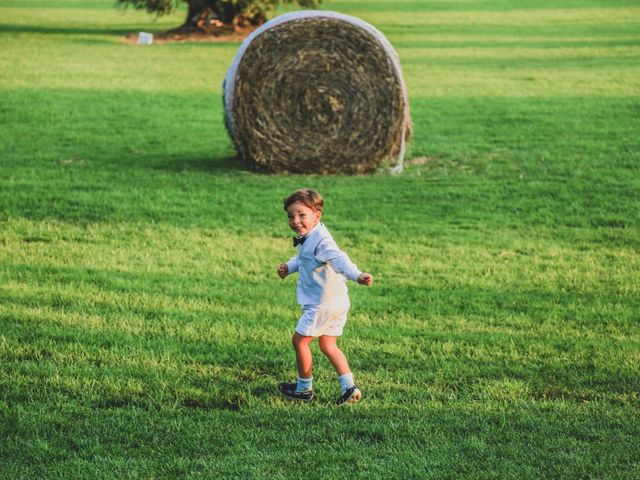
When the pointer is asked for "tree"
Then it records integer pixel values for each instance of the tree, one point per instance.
(213, 15)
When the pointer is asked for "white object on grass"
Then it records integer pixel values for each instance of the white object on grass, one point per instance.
(145, 38)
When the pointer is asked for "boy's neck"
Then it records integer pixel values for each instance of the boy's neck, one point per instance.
(313, 229)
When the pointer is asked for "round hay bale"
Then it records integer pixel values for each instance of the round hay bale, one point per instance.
(317, 92)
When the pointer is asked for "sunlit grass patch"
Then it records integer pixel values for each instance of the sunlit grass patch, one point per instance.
(143, 329)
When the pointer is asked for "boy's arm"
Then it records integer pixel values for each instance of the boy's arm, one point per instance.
(292, 264)
(328, 251)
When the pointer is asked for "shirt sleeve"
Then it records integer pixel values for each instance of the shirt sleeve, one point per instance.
(328, 252)
(292, 264)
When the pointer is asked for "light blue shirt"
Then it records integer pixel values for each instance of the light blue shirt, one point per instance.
(322, 267)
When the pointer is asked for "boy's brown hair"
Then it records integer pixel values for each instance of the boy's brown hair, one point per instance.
(306, 196)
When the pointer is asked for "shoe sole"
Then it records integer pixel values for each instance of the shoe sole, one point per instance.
(294, 399)
(355, 398)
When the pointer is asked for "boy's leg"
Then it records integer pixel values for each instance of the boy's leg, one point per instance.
(304, 359)
(329, 346)
(303, 388)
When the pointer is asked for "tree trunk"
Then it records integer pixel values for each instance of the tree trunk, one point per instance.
(212, 17)
(198, 11)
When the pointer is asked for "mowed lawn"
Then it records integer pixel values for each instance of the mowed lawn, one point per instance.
(143, 328)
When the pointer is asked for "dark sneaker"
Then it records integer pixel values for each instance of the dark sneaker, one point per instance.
(289, 391)
(351, 395)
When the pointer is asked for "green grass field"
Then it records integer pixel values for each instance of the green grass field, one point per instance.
(143, 328)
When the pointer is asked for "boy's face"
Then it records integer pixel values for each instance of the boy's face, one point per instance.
(302, 219)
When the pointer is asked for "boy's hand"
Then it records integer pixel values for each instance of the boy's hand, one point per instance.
(365, 279)
(283, 270)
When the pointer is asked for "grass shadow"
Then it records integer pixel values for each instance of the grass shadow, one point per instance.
(200, 164)
(49, 30)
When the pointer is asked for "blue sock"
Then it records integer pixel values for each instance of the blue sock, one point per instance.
(346, 381)
(304, 384)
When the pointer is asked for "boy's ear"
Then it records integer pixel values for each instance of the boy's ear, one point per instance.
(317, 214)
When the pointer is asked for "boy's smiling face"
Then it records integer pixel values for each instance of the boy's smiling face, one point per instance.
(302, 219)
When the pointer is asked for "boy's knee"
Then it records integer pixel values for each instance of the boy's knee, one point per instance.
(328, 349)
(299, 340)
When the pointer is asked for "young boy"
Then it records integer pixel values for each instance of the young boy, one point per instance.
(322, 292)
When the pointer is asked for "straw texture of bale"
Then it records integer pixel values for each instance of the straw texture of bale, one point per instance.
(317, 92)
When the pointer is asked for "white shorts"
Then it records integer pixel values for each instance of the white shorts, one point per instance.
(324, 319)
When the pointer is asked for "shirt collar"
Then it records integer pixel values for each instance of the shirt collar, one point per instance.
(316, 230)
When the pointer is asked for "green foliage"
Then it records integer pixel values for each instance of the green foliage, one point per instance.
(224, 10)
(159, 7)
(143, 327)
(256, 10)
